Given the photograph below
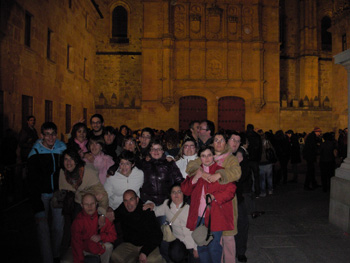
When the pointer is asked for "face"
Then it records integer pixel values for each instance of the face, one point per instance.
(125, 167)
(96, 124)
(95, 148)
(31, 122)
(69, 163)
(195, 129)
(234, 142)
(207, 157)
(109, 138)
(145, 139)
(318, 134)
(89, 205)
(189, 148)
(176, 195)
(124, 131)
(130, 202)
(219, 144)
(49, 138)
(130, 145)
(203, 131)
(156, 151)
(81, 134)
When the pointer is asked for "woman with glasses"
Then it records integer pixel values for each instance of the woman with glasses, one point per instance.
(188, 152)
(126, 177)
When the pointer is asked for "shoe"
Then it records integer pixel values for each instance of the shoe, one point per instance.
(270, 192)
(242, 258)
(262, 195)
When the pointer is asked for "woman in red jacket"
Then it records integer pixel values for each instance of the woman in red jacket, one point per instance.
(221, 206)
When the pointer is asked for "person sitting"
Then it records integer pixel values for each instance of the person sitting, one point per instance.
(88, 237)
(141, 232)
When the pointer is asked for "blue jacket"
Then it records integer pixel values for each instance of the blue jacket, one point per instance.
(43, 171)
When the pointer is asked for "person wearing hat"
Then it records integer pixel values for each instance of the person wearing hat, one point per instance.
(310, 156)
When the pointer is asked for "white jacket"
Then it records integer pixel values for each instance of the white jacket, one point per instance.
(182, 163)
(179, 228)
(117, 184)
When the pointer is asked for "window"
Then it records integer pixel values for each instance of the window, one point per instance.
(48, 44)
(48, 110)
(326, 36)
(27, 108)
(85, 115)
(68, 117)
(343, 42)
(120, 25)
(27, 29)
(70, 3)
(69, 58)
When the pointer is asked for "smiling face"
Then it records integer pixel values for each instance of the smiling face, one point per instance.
(176, 195)
(81, 134)
(130, 201)
(189, 148)
(125, 167)
(49, 138)
(156, 151)
(207, 157)
(95, 147)
(234, 142)
(96, 124)
(219, 144)
(68, 163)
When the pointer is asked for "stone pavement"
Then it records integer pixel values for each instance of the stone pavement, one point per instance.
(295, 228)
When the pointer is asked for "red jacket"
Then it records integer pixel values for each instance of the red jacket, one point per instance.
(221, 208)
(83, 228)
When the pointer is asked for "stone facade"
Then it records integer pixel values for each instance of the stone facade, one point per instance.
(268, 53)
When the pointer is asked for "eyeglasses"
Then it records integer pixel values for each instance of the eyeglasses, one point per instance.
(206, 156)
(95, 122)
(219, 140)
(238, 141)
(47, 134)
(189, 146)
(130, 142)
(146, 137)
(156, 149)
(176, 192)
(125, 164)
(90, 204)
(203, 129)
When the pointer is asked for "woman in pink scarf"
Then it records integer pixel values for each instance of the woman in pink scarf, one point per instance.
(78, 140)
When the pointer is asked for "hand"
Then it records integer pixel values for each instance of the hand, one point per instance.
(112, 169)
(214, 177)
(101, 221)
(205, 176)
(148, 206)
(81, 154)
(198, 174)
(99, 197)
(147, 158)
(195, 253)
(95, 238)
(142, 258)
(110, 214)
(169, 159)
(89, 157)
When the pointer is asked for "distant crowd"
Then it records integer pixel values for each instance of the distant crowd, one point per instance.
(117, 195)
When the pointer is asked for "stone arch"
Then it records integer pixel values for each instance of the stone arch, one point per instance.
(119, 20)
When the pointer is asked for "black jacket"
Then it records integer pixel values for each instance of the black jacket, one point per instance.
(159, 176)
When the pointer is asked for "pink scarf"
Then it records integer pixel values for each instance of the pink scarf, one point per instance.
(82, 145)
(219, 159)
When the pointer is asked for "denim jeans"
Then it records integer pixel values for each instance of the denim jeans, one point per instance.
(213, 251)
(265, 172)
(50, 243)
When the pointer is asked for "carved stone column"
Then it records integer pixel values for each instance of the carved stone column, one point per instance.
(339, 208)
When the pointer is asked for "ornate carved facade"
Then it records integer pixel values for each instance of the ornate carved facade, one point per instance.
(155, 62)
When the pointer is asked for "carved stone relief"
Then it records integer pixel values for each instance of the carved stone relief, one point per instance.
(196, 21)
(180, 21)
(247, 22)
(232, 19)
(214, 22)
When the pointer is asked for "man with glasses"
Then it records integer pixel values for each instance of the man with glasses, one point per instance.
(205, 133)
(43, 173)
(97, 125)
(147, 135)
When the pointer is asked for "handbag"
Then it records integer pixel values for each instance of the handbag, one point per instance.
(202, 235)
(168, 235)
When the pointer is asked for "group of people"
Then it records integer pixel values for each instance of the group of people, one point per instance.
(107, 193)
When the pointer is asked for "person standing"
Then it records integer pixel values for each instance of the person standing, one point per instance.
(43, 173)
(27, 137)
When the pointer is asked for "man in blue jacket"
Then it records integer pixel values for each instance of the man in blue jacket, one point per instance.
(43, 172)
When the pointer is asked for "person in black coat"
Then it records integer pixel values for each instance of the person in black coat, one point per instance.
(328, 152)
(295, 158)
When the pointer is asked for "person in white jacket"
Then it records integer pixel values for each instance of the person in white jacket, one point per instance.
(188, 152)
(183, 235)
(126, 177)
